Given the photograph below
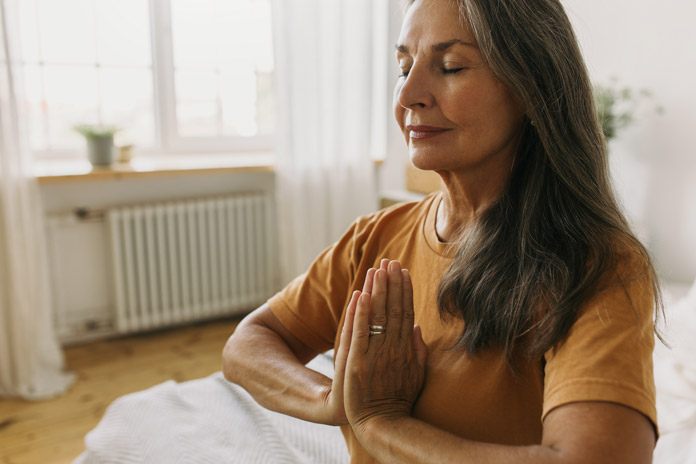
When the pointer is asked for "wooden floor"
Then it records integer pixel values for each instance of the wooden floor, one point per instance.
(53, 431)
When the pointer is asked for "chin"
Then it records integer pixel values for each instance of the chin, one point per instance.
(425, 161)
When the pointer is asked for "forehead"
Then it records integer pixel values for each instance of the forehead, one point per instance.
(433, 21)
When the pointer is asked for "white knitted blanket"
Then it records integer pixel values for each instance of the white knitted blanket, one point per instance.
(675, 382)
(208, 420)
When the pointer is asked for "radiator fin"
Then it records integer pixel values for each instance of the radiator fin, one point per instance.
(188, 260)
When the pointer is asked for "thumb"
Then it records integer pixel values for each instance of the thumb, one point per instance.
(341, 357)
(419, 346)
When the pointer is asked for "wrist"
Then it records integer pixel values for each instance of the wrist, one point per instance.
(382, 436)
(378, 426)
(330, 408)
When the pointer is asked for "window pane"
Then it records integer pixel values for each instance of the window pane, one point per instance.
(71, 99)
(231, 40)
(127, 103)
(247, 102)
(193, 36)
(35, 107)
(196, 103)
(28, 31)
(264, 103)
(123, 32)
(243, 34)
(66, 29)
(239, 102)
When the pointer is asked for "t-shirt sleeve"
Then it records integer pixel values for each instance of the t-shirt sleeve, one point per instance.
(607, 355)
(311, 306)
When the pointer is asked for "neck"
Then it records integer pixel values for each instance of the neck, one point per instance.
(464, 199)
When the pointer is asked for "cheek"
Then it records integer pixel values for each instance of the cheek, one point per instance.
(508, 115)
(483, 108)
(463, 101)
(399, 111)
(510, 108)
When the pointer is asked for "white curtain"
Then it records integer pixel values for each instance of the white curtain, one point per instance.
(328, 82)
(31, 364)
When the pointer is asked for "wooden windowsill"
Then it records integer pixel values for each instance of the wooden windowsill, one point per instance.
(79, 170)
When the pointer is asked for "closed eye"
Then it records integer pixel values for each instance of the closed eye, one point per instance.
(404, 74)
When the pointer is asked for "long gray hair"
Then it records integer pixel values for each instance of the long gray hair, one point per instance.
(556, 235)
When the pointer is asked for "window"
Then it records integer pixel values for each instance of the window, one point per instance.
(174, 75)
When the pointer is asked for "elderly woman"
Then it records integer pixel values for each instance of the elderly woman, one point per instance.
(523, 329)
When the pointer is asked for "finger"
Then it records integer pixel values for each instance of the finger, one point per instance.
(384, 264)
(367, 286)
(394, 302)
(360, 338)
(407, 305)
(419, 346)
(344, 344)
(378, 298)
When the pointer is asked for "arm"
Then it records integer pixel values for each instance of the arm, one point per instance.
(580, 432)
(268, 361)
(575, 433)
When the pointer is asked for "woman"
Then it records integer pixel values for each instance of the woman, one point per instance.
(533, 303)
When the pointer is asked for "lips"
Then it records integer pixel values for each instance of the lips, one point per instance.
(419, 132)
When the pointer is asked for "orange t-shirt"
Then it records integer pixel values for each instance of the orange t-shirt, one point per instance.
(607, 355)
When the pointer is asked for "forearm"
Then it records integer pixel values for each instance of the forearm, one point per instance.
(259, 361)
(409, 440)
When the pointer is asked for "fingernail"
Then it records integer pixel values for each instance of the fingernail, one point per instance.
(406, 275)
(364, 298)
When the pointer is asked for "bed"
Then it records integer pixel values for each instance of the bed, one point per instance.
(210, 420)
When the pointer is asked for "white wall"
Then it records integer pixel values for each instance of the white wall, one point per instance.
(650, 44)
(645, 44)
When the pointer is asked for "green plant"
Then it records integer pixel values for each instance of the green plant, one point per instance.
(96, 130)
(616, 106)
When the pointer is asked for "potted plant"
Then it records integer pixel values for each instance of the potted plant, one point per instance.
(616, 106)
(100, 143)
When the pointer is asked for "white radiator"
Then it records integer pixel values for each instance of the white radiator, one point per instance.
(189, 260)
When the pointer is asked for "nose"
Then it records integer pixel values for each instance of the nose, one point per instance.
(415, 91)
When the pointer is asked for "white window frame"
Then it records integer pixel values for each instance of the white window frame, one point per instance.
(167, 139)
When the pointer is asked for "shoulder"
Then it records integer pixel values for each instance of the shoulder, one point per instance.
(629, 278)
(625, 297)
(619, 316)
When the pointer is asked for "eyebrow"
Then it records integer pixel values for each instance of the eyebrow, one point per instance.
(438, 47)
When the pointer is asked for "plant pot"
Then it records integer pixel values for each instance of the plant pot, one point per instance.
(100, 149)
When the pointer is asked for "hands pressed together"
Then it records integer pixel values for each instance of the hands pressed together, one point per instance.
(379, 375)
